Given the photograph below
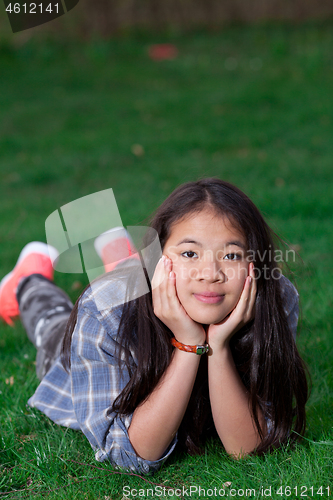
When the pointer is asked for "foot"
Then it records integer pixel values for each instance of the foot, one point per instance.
(36, 257)
(115, 246)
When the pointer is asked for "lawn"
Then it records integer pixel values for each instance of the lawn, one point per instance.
(252, 106)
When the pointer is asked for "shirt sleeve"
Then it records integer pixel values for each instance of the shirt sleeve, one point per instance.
(96, 381)
(290, 300)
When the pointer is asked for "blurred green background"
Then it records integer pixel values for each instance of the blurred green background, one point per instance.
(83, 111)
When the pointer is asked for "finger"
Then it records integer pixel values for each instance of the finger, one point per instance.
(237, 315)
(242, 312)
(170, 306)
(252, 294)
(246, 294)
(157, 281)
(171, 284)
(159, 273)
(244, 303)
(163, 286)
(173, 298)
(170, 297)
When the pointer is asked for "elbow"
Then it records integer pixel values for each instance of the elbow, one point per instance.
(148, 449)
(246, 445)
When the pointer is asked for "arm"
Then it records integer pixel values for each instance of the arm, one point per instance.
(96, 380)
(230, 405)
(228, 396)
(156, 421)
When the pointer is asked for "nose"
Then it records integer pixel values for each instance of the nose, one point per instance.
(211, 271)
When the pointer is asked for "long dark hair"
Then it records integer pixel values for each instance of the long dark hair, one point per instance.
(264, 351)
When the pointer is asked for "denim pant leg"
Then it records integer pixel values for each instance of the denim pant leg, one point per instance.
(44, 312)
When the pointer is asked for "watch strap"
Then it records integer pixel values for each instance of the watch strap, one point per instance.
(196, 349)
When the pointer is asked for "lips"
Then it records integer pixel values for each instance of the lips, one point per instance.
(209, 297)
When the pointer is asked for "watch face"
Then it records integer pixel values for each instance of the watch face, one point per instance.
(201, 349)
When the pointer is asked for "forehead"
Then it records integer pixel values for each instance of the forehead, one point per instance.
(206, 225)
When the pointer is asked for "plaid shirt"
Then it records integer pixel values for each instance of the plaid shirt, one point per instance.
(82, 398)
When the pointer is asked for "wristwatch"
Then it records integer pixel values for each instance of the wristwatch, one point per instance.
(196, 349)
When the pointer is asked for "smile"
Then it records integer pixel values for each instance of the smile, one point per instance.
(209, 298)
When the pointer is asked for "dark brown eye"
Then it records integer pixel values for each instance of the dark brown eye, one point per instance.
(189, 255)
(232, 256)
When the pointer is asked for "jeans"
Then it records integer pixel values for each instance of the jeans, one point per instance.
(44, 311)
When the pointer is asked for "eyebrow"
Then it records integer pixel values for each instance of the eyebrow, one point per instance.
(228, 244)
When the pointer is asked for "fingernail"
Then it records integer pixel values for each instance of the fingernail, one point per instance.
(250, 280)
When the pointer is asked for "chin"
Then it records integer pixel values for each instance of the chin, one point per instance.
(206, 318)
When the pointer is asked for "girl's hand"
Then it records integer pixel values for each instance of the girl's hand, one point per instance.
(218, 335)
(168, 308)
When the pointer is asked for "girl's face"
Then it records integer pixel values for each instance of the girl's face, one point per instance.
(209, 259)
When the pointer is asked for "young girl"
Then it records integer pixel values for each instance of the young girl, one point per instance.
(210, 350)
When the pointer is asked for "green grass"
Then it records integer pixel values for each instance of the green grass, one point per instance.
(250, 105)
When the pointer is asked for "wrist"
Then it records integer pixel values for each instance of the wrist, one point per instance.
(218, 347)
(191, 338)
(196, 349)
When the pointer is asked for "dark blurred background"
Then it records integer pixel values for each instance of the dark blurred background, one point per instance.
(108, 17)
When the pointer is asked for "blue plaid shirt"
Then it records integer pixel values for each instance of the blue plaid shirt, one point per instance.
(82, 398)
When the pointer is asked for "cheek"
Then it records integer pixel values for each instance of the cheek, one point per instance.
(183, 272)
(236, 275)
(183, 280)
